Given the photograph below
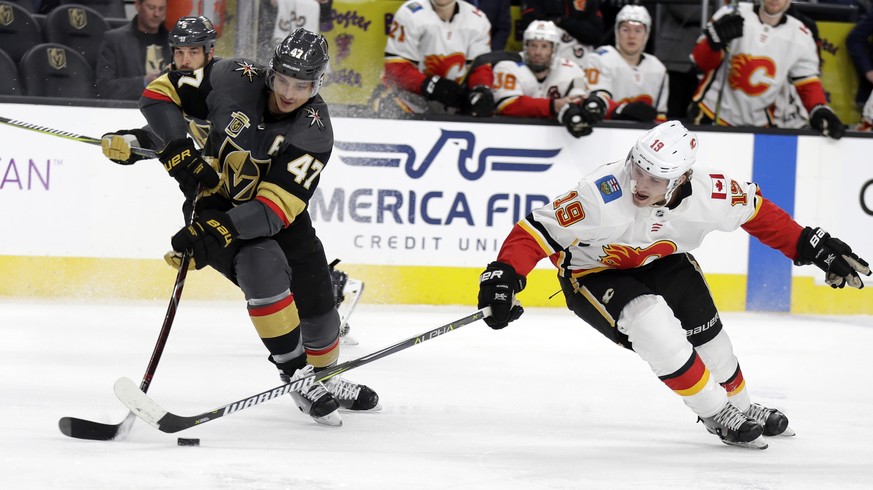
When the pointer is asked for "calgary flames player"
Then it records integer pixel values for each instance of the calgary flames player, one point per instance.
(540, 84)
(431, 44)
(621, 240)
(763, 49)
(271, 136)
(634, 85)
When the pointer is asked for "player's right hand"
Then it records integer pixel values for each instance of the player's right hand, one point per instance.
(116, 146)
(577, 119)
(635, 111)
(185, 164)
(443, 90)
(722, 31)
(497, 288)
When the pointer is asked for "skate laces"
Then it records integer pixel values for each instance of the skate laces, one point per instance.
(759, 412)
(315, 391)
(344, 389)
(730, 417)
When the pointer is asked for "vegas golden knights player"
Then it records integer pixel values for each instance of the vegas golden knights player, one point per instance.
(270, 137)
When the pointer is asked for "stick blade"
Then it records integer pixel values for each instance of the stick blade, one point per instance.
(139, 404)
(86, 429)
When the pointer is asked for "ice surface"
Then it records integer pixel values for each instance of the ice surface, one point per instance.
(544, 404)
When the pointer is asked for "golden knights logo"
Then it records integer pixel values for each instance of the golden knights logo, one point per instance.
(78, 18)
(312, 113)
(242, 173)
(7, 16)
(247, 69)
(239, 122)
(57, 58)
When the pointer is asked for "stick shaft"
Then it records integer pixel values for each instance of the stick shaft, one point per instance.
(145, 152)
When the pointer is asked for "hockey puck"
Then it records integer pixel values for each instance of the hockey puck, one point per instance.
(187, 442)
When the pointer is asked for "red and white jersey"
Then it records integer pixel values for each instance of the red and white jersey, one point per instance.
(515, 85)
(434, 46)
(606, 70)
(761, 62)
(596, 226)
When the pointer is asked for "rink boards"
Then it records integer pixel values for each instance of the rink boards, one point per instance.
(415, 209)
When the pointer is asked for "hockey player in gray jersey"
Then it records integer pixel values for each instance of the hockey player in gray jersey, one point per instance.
(269, 140)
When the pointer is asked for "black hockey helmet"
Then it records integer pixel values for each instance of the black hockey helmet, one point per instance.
(193, 31)
(302, 55)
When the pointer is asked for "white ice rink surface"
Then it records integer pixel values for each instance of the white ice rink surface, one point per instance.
(544, 404)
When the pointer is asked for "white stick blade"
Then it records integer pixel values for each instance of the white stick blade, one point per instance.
(138, 403)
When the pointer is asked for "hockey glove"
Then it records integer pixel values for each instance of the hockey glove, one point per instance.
(497, 288)
(823, 119)
(577, 120)
(116, 146)
(208, 235)
(480, 102)
(185, 164)
(443, 90)
(833, 256)
(723, 30)
(635, 111)
(596, 107)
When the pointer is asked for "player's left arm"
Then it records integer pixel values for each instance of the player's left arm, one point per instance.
(775, 228)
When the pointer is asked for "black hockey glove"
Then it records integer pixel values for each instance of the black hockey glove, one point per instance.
(577, 119)
(116, 146)
(833, 256)
(210, 233)
(635, 111)
(497, 288)
(185, 164)
(443, 90)
(338, 280)
(723, 30)
(823, 119)
(480, 102)
(596, 107)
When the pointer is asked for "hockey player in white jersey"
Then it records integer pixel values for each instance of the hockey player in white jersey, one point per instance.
(755, 50)
(866, 123)
(621, 241)
(633, 84)
(430, 46)
(540, 84)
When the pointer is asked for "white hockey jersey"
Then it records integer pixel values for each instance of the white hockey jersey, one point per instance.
(571, 49)
(293, 14)
(596, 226)
(760, 62)
(606, 70)
(441, 48)
(513, 79)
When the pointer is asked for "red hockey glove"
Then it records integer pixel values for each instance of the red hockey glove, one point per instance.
(833, 256)
(497, 288)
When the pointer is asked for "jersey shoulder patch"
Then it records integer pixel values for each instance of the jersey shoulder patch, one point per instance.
(414, 6)
(311, 130)
(609, 188)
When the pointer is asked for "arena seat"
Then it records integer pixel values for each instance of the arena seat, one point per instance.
(106, 8)
(9, 85)
(78, 27)
(18, 30)
(54, 70)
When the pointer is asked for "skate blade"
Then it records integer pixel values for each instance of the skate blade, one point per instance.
(789, 432)
(377, 408)
(333, 419)
(758, 443)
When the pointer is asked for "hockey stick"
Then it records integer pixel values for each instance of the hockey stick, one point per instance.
(88, 429)
(145, 152)
(147, 409)
(727, 70)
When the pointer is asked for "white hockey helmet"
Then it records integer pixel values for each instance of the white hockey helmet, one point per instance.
(541, 30)
(666, 151)
(633, 13)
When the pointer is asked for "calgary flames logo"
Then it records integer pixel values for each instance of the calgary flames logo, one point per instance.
(744, 74)
(450, 66)
(624, 257)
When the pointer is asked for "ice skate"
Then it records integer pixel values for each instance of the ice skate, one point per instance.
(735, 428)
(314, 400)
(774, 422)
(352, 396)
